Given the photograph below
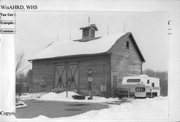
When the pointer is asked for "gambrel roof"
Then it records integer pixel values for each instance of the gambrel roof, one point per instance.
(74, 48)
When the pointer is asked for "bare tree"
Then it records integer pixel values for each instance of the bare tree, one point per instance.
(20, 77)
(163, 76)
(19, 62)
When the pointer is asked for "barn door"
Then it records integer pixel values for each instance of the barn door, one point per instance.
(72, 76)
(66, 76)
(60, 76)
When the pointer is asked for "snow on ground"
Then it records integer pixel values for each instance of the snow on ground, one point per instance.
(20, 104)
(27, 96)
(62, 97)
(52, 96)
(139, 109)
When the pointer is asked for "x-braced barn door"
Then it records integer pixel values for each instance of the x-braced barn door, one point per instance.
(72, 76)
(60, 77)
(66, 76)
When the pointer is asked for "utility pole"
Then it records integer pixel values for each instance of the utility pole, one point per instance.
(69, 34)
(169, 29)
(57, 38)
(89, 20)
(124, 28)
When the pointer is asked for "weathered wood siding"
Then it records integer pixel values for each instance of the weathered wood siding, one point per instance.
(44, 70)
(108, 68)
(124, 61)
(101, 74)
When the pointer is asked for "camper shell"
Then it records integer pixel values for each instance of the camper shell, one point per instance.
(138, 86)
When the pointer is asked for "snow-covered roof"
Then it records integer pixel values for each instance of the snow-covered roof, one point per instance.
(72, 48)
(97, 45)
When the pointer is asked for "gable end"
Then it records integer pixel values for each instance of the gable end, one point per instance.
(136, 47)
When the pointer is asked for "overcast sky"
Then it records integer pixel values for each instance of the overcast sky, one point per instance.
(150, 30)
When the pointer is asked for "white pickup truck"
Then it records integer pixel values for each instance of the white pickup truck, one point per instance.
(140, 86)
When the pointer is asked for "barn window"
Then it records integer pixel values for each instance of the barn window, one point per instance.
(85, 32)
(147, 81)
(127, 45)
(92, 33)
(152, 84)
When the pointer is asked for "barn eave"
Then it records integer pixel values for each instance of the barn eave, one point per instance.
(72, 56)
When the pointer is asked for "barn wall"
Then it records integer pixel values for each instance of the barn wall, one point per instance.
(44, 70)
(124, 61)
(101, 75)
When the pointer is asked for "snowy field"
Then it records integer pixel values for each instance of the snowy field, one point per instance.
(136, 109)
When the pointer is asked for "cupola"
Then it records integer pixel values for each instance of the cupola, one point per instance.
(88, 32)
